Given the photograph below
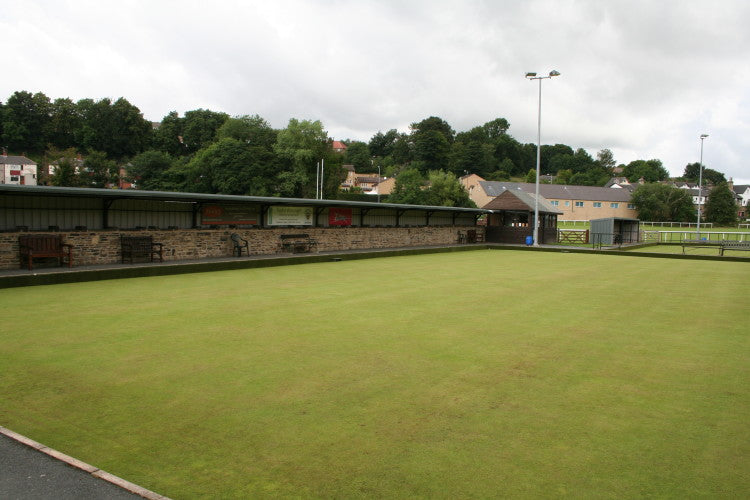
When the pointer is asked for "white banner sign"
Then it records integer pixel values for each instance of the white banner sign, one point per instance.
(290, 216)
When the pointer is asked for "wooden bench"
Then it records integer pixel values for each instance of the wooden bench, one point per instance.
(44, 245)
(734, 245)
(700, 244)
(296, 243)
(140, 247)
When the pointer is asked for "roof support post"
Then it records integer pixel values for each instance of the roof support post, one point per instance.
(427, 216)
(399, 213)
(317, 211)
(106, 204)
(196, 209)
(362, 214)
(263, 212)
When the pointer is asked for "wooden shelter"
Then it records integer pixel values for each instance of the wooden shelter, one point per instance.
(512, 220)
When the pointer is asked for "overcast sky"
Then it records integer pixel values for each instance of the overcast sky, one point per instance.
(642, 78)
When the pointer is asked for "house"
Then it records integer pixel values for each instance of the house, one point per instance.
(366, 182)
(338, 147)
(470, 182)
(17, 170)
(513, 218)
(742, 194)
(573, 202)
(385, 186)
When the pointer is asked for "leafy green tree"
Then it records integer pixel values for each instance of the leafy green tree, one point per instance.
(409, 188)
(433, 124)
(710, 176)
(168, 138)
(663, 203)
(26, 121)
(721, 206)
(98, 171)
(531, 176)
(496, 128)
(606, 159)
(472, 157)
(230, 166)
(381, 144)
(117, 129)
(252, 130)
(200, 127)
(564, 176)
(358, 154)
(445, 190)
(649, 170)
(64, 126)
(431, 148)
(403, 150)
(300, 147)
(148, 169)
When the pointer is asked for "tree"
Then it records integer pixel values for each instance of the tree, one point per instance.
(200, 127)
(446, 191)
(300, 147)
(431, 148)
(496, 128)
(98, 171)
(409, 188)
(64, 127)
(721, 206)
(434, 124)
(252, 130)
(649, 170)
(25, 121)
(382, 144)
(117, 129)
(147, 170)
(168, 137)
(230, 166)
(692, 174)
(358, 154)
(606, 159)
(663, 203)
(531, 176)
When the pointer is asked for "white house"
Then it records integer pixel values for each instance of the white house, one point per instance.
(17, 170)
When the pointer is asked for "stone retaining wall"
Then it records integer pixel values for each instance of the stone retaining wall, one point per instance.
(103, 247)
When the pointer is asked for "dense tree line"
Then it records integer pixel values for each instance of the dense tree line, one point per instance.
(211, 152)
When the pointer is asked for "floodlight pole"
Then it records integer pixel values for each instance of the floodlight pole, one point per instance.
(700, 185)
(532, 76)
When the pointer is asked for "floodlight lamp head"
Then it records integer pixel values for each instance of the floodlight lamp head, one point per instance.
(554, 73)
(703, 136)
(530, 75)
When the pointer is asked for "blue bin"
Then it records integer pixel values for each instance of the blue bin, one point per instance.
(529, 241)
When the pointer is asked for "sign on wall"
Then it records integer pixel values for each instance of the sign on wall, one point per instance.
(340, 217)
(229, 214)
(290, 216)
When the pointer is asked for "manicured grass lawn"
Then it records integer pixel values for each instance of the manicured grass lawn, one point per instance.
(463, 375)
(677, 249)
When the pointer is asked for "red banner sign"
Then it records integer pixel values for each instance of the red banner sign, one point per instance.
(340, 217)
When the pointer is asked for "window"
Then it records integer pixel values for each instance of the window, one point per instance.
(579, 203)
(614, 205)
(597, 204)
(631, 206)
(567, 203)
(554, 203)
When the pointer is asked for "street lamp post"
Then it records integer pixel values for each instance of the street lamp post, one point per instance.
(532, 76)
(700, 185)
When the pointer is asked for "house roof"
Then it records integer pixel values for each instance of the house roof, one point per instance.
(515, 199)
(558, 191)
(15, 160)
(338, 145)
(740, 188)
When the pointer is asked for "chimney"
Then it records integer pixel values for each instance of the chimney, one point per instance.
(641, 181)
(731, 185)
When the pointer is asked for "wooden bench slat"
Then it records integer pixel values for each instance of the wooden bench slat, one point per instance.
(31, 246)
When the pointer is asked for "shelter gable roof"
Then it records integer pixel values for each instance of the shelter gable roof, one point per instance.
(519, 200)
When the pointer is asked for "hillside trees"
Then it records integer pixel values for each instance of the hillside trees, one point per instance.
(721, 207)
(661, 202)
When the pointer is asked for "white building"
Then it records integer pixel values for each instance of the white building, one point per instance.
(17, 170)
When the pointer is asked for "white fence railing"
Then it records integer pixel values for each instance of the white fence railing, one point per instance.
(679, 236)
(678, 224)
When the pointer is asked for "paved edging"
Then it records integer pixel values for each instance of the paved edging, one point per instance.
(73, 462)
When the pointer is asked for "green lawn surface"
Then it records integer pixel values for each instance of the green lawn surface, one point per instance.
(463, 375)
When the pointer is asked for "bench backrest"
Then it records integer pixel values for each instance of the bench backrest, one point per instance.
(137, 242)
(41, 242)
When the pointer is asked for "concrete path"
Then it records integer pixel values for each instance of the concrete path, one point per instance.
(31, 471)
